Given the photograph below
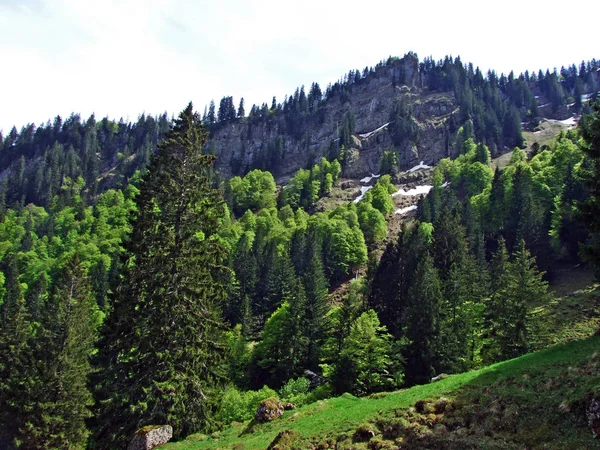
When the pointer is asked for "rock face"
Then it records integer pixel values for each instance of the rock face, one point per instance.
(372, 102)
(269, 409)
(593, 416)
(150, 437)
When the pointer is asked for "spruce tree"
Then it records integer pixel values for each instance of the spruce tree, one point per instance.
(16, 360)
(160, 356)
(588, 209)
(422, 329)
(520, 287)
(316, 315)
(63, 347)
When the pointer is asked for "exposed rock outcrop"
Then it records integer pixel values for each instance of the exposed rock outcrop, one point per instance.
(150, 437)
(372, 102)
(269, 409)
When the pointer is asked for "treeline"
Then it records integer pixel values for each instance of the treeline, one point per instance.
(37, 160)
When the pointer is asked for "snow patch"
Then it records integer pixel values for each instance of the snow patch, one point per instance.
(363, 191)
(445, 184)
(406, 210)
(366, 180)
(371, 133)
(415, 191)
(418, 167)
(571, 121)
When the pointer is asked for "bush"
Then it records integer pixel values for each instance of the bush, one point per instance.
(294, 387)
(239, 406)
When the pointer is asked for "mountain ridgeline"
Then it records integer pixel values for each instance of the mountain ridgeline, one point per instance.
(413, 108)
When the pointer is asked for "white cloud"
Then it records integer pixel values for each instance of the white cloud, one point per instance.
(122, 58)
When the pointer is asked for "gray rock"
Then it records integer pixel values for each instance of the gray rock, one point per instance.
(269, 409)
(150, 437)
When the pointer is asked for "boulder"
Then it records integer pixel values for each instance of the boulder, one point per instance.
(150, 437)
(593, 416)
(268, 410)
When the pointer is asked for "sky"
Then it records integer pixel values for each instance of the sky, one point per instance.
(126, 57)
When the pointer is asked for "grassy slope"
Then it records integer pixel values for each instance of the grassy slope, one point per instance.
(531, 388)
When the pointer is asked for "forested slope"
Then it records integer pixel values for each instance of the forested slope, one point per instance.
(193, 299)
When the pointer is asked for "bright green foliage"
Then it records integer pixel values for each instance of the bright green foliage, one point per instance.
(372, 222)
(294, 388)
(253, 192)
(164, 326)
(381, 199)
(344, 247)
(240, 406)
(477, 178)
(307, 186)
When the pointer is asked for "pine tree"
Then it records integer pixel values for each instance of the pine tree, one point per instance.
(519, 286)
(160, 356)
(16, 359)
(588, 209)
(422, 327)
(316, 315)
(64, 344)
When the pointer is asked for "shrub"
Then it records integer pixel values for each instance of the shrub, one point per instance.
(239, 406)
(294, 387)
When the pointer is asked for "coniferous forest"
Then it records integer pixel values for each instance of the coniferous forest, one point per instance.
(139, 286)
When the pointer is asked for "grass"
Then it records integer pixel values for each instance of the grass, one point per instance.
(533, 387)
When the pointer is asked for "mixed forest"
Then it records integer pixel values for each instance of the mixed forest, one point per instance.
(138, 286)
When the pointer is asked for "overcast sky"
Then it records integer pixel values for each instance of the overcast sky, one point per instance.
(124, 57)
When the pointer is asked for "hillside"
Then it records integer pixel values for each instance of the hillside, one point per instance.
(535, 401)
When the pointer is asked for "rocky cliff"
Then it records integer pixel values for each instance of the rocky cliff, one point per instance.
(371, 101)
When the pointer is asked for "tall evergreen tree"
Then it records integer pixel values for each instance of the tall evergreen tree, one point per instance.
(16, 360)
(160, 356)
(589, 209)
(316, 321)
(422, 327)
(64, 344)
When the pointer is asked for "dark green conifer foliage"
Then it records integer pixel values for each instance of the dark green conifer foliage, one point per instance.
(161, 350)
(316, 322)
(589, 209)
(520, 285)
(16, 359)
(63, 347)
(422, 328)
(36, 296)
